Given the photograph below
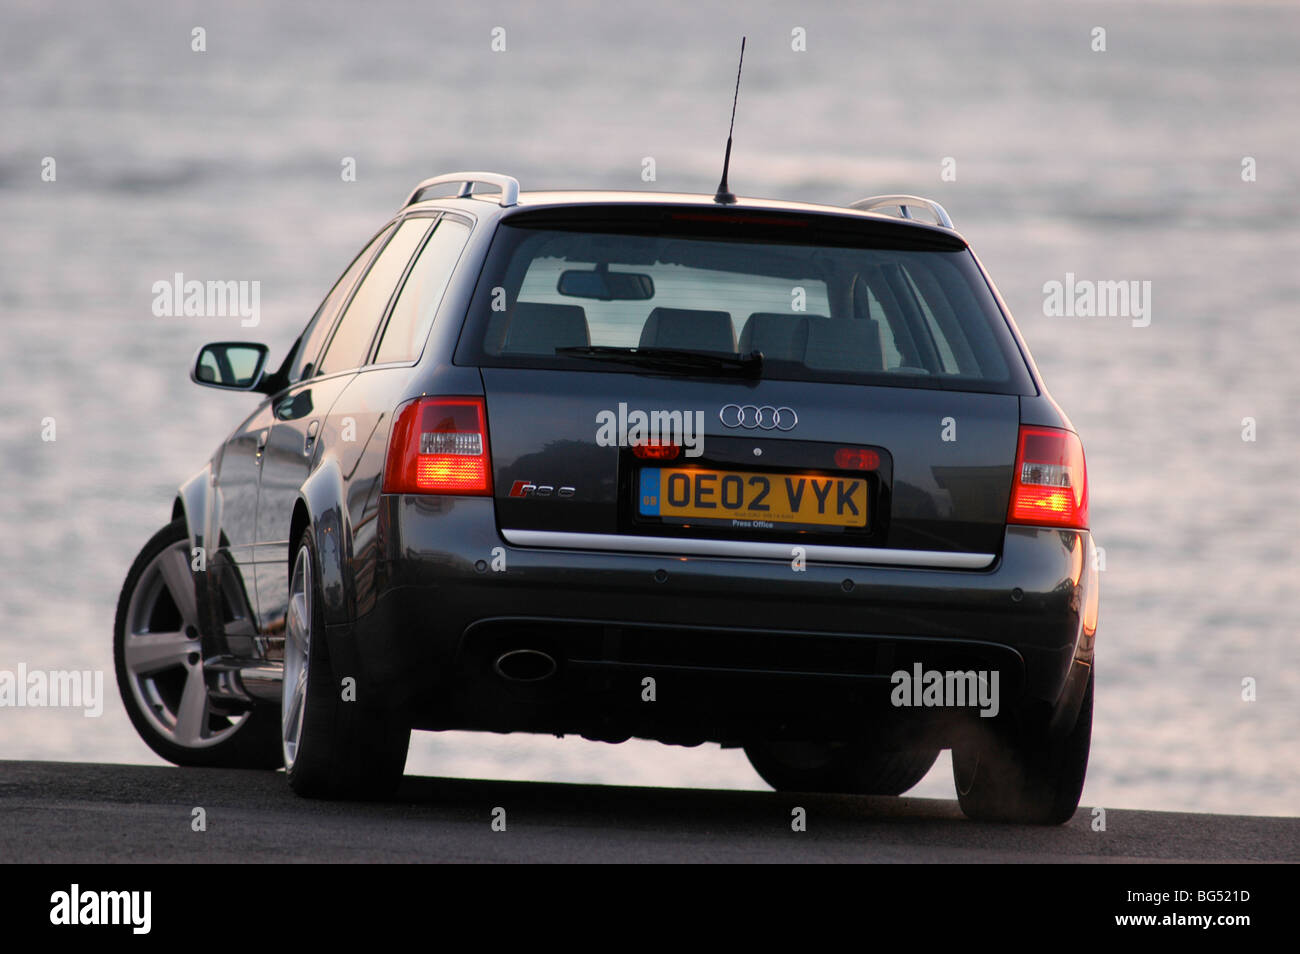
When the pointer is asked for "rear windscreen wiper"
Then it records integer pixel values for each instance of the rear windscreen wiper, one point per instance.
(672, 359)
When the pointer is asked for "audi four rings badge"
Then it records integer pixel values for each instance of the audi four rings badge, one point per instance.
(766, 418)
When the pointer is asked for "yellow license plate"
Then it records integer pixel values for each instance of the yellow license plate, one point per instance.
(754, 499)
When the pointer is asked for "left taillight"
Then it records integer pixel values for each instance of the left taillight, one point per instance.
(439, 445)
(1051, 480)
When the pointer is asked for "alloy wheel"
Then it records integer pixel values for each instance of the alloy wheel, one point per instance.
(297, 647)
(164, 658)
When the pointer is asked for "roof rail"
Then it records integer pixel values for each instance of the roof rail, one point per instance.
(902, 203)
(507, 185)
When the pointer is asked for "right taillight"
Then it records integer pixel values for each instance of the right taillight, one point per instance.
(1051, 480)
(439, 445)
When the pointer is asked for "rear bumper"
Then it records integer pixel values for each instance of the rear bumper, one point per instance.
(733, 646)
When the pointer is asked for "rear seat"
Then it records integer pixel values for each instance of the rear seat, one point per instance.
(815, 340)
(697, 330)
(845, 345)
(780, 337)
(537, 328)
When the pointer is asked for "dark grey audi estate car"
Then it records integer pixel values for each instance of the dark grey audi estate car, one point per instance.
(760, 473)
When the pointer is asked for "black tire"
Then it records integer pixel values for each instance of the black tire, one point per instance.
(346, 749)
(237, 736)
(1002, 777)
(849, 769)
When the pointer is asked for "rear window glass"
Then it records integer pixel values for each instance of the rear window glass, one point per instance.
(909, 317)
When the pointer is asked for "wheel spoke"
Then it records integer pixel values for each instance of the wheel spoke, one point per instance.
(192, 714)
(297, 623)
(150, 652)
(297, 649)
(175, 568)
(293, 718)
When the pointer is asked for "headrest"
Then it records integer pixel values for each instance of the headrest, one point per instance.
(689, 328)
(537, 328)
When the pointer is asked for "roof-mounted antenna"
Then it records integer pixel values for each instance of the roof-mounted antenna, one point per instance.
(724, 194)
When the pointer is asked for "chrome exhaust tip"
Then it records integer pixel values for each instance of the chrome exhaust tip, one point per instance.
(525, 665)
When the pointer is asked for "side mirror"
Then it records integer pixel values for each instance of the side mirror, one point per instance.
(230, 365)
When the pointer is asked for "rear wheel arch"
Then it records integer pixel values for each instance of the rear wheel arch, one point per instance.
(299, 522)
(321, 506)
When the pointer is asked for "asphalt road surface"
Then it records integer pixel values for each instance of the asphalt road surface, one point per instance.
(78, 813)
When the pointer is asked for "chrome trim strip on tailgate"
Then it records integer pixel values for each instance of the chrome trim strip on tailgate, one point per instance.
(675, 546)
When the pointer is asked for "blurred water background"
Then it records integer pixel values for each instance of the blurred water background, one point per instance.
(1116, 165)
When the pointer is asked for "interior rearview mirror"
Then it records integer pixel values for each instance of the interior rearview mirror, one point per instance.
(602, 284)
(230, 365)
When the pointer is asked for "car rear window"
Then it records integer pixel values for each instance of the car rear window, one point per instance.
(914, 317)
